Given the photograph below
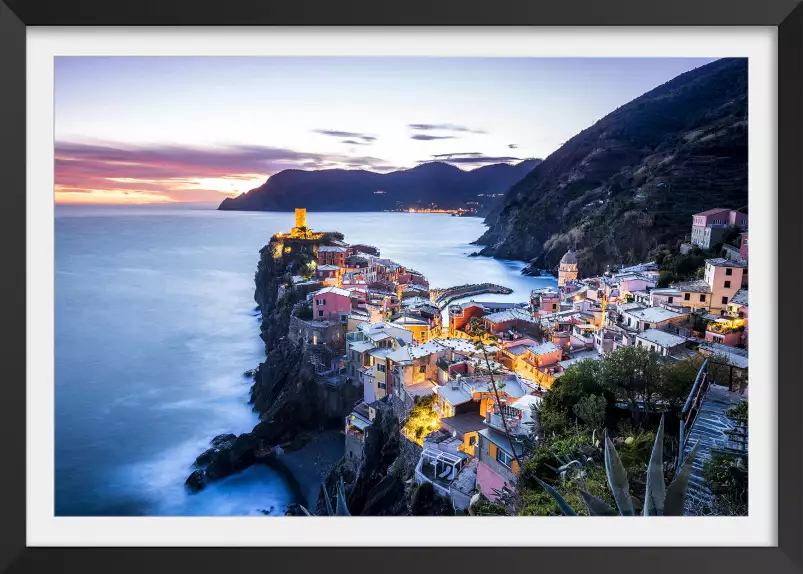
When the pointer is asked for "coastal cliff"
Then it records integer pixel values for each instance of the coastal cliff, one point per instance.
(290, 401)
(629, 184)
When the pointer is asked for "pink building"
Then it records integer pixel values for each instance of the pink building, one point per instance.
(330, 303)
(743, 246)
(709, 226)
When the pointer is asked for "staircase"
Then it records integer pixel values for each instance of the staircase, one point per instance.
(708, 429)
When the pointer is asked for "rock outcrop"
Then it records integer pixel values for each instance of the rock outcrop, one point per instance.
(285, 392)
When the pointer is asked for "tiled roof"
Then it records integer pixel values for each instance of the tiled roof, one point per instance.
(722, 262)
(544, 348)
(740, 298)
(509, 315)
(333, 291)
(661, 338)
(711, 211)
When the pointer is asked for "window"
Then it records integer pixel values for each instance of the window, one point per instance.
(724, 300)
(422, 369)
(380, 367)
(729, 271)
(727, 284)
(320, 313)
(504, 457)
(702, 298)
(671, 299)
(639, 343)
(686, 296)
(472, 440)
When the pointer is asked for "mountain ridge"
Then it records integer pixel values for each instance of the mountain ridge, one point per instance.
(441, 183)
(628, 184)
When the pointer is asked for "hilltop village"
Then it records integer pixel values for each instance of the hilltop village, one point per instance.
(373, 324)
(447, 394)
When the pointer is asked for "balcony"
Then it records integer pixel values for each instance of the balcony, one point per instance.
(495, 417)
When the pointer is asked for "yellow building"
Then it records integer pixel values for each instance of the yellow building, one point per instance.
(567, 271)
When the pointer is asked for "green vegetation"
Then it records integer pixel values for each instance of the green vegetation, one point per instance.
(422, 420)
(304, 311)
(675, 267)
(630, 377)
(426, 502)
(659, 500)
(622, 394)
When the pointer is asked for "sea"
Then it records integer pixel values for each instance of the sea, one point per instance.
(155, 325)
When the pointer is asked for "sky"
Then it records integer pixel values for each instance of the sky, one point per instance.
(199, 129)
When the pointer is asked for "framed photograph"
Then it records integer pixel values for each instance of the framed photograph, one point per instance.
(451, 283)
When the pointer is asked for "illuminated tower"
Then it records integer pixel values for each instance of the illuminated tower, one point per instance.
(568, 269)
(300, 230)
(301, 217)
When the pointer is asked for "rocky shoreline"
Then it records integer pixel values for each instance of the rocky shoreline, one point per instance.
(285, 391)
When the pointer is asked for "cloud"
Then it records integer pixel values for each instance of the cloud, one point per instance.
(470, 158)
(444, 128)
(427, 137)
(175, 173)
(364, 138)
(513, 146)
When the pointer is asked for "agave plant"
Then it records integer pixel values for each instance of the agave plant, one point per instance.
(341, 508)
(660, 500)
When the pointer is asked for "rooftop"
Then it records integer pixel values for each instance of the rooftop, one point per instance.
(455, 396)
(661, 338)
(740, 298)
(699, 286)
(500, 440)
(331, 249)
(410, 320)
(544, 348)
(362, 346)
(465, 423)
(422, 389)
(517, 350)
(510, 315)
(722, 262)
(428, 348)
(333, 291)
(713, 211)
(656, 314)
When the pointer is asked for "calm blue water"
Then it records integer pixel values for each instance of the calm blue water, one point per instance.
(155, 324)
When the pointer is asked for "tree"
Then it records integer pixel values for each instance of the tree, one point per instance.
(591, 410)
(632, 374)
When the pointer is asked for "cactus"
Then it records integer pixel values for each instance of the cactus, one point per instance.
(341, 508)
(659, 500)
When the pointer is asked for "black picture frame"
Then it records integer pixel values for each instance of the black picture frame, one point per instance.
(16, 15)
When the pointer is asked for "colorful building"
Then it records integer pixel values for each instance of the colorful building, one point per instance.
(724, 277)
(332, 255)
(567, 270)
(708, 227)
(331, 303)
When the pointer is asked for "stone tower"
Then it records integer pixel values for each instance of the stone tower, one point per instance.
(301, 216)
(568, 269)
